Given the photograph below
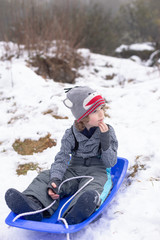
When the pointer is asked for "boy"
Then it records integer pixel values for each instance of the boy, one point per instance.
(93, 148)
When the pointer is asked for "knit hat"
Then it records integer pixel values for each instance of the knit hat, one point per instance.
(82, 101)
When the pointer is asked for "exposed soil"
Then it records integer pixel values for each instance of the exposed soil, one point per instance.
(24, 168)
(28, 146)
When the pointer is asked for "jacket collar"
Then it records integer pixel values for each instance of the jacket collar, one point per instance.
(80, 137)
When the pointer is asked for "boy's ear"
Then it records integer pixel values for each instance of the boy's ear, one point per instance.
(68, 103)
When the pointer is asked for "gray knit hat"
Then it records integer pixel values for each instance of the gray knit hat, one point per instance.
(82, 101)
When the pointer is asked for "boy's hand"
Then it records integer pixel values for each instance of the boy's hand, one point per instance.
(51, 192)
(103, 127)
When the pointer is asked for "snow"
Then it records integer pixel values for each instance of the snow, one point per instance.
(136, 47)
(133, 97)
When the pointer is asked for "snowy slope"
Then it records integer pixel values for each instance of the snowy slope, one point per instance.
(133, 97)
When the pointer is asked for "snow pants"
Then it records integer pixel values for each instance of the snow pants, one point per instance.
(102, 183)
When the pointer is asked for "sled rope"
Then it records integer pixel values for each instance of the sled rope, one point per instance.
(60, 212)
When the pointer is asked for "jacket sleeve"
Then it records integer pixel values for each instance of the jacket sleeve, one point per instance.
(62, 158)
(109, 148)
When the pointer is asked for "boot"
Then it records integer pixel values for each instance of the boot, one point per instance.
(21, 203)
(83, 208)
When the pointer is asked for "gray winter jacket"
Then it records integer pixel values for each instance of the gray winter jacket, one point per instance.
(88, 147)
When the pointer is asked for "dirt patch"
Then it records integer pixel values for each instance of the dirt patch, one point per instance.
(108, 65)
(24, 168)
(16, 118)
(59, 69)
(111, 76)
(53, 114)
(127, 53)
(28, 146)
(131, 80)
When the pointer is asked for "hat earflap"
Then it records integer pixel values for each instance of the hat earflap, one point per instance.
(68, 103)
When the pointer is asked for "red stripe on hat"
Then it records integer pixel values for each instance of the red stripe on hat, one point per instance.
(93, 100)
(100, 102)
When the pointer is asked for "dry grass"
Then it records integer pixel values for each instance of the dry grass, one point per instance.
(28, 146)
(54, 68)
(50, 112)
(138, 166)
(111, 76)
(24, 168)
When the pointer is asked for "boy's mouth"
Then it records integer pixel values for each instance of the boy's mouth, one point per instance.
(101, 120)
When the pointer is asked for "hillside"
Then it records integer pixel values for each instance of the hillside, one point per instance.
(31, 108)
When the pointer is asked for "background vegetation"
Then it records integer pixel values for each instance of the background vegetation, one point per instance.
(89, 24)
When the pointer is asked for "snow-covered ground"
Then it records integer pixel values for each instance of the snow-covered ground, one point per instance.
(133, 97)
(136, 47)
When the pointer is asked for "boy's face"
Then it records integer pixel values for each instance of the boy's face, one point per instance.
(96, 117)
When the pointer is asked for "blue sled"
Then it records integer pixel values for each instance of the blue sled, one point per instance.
(51, 225)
